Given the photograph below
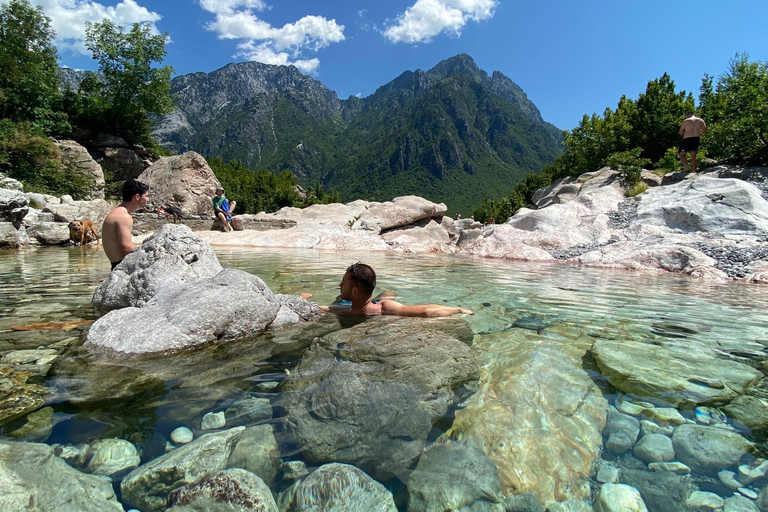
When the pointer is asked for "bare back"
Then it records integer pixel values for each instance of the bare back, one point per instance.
(693, 127)
(116, 234)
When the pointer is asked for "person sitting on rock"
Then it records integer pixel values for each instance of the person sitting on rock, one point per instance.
(357, 286)
(223, 209)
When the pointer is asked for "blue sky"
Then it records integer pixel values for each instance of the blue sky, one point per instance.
(571, 57)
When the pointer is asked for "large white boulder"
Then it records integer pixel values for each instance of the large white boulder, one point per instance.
(184, 181)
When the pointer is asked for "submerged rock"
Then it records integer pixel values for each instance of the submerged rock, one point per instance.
(33, 478)
(454, 476)
(257, 452)
(537, 415)
(709, 449)
(619, 498)
(368, 394)
(675, 375)
(339, 488)
(231, 490)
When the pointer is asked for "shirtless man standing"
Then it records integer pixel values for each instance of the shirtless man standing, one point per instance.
(118, 225)
(691, 129)
(357, 286)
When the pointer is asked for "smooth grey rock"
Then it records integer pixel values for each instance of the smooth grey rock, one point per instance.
(248, 411)
(654, 448)
(67, 199)
(662, 491)
(677, 468)
(95, 210)
(14, 205)
(762, 500)
(185, 181)
(231, 490)
(699, 500)
(739, 504)
(257, 452)
(122, 163)
(607, 474)
(561, 191)
(341, 488)
(750, 473)
(10, 183)
(709, 449)
(213, 420)
(76, 159)
(293, 310)
(401, 211)
(622, 431)
(49, 233)
(749, 493)
(231, 305)
(9, 235)
(40, 200)
(675, 375)
(522, 503)
(148, 486)
(110, 456)
(368, 394)
(651, 427)
(454, 476)
(728, 478)
(182, 435)
(174, 254)
(33, 478)
(752, 411)
(619, 498)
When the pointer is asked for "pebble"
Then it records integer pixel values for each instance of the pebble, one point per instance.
(699, 500)
(728, 478)
(749, 493)
(267, 386)
(738, 503)
(677, 468)
(608, 474)
(627, 407)
(748, 474)
(182, 435)
(650, 427)
(213, 420)
(666, 414)
(294, 469)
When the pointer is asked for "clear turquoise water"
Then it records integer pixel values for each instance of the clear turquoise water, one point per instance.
(92, 401)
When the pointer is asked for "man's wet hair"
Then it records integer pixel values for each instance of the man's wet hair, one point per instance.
(364, 276)
(133, 187)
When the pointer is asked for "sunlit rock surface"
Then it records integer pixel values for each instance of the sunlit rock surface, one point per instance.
(231, 490)
(173, 254)
(537, 414)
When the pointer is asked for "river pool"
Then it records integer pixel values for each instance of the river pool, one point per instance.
(548, 302)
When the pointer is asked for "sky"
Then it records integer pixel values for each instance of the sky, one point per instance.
(571, 57)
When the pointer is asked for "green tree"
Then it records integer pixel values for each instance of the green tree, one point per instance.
(736, 111)
(656, 118)
(28, 67)
(128, 88)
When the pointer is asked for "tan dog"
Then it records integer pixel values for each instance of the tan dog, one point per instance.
(82, 231)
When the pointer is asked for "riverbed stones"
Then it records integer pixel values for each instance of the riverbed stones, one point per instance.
(536, 378)
(182, 435)
(619, 498)
(213, 421)
(454, 476)
(148, 486)
(368, 394)
(709, 449)
(248, 411)
(189, 314)
(49, 233)
(704, 501)
(662, 491)
(752, 411)
(341, 488)
(739, 504)
(174, 254)
(673, 374)
(622, 431)
(33, 478)
(18, 396)
(230, 490)
(257, 452)
(110, 456)
(654, 448)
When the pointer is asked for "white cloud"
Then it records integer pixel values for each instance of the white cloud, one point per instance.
(68, 19)
(262, 42)
(428, 18)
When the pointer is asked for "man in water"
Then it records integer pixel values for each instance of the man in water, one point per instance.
(223, 209)
(691, 130)
(357, 286)
(118, 225)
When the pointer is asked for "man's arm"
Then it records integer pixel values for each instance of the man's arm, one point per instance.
(123, 229)
(391, 307)
(681, 131)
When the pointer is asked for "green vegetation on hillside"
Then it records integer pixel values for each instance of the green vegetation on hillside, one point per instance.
(263, 191)
(644, 132)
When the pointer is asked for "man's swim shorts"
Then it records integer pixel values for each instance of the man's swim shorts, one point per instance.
(689, 144)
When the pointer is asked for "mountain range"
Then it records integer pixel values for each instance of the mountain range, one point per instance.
(452, 134)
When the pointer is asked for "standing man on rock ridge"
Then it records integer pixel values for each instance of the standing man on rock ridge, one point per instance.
(118, 225)
(691, 130)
